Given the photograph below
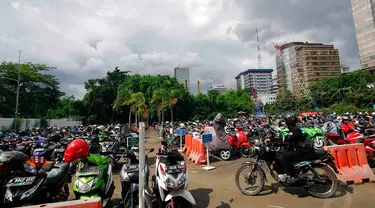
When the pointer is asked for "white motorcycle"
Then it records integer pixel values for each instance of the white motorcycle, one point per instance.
(170, 181)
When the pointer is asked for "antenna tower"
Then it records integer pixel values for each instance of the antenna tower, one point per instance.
(258, 47)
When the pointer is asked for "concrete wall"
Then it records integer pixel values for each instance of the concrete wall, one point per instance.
(5, 123)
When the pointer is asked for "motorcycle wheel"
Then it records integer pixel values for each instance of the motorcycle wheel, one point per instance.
(179, 202)
(225, 154)
(319, 144)
(148, 202)
(332, 188)
(246, 151)
(250, 179)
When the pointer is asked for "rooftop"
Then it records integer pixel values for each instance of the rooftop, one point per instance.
(254, 71)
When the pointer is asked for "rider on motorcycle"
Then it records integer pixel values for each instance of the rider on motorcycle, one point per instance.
(296, 148)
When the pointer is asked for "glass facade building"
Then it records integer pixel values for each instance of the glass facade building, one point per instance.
(183, 76)
(364, 23)
(312, 61)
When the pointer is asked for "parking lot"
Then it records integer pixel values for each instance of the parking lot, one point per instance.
(217, 189)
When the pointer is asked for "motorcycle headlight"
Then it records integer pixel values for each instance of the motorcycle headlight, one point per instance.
(8, 195)
(85, 187)
(170, 184)
(29, 168)
(181, 182)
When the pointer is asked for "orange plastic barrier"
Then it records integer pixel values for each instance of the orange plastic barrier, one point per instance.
(187, 148)
(85, 203)
(198, 152)
(351, 161)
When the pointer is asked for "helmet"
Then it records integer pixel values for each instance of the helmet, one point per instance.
(290, 119)
(182, 125)
(76, 149)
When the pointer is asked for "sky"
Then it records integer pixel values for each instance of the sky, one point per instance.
(216, 39)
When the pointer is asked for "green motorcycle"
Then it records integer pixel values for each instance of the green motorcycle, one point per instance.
(316, 135)
(313, 133)
(94, 179)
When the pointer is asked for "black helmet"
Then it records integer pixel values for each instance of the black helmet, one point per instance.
(290, 119)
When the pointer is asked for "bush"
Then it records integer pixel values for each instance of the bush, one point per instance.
(17, 122)
(43, 123)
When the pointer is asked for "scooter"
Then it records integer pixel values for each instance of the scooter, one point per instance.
(170, 181)
(94, 179)
(129, 177)
(237, 138)
(40, 181)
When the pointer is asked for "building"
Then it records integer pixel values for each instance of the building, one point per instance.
(267, 98)
(364, 23)
(183, 76)
(301, 63)
(258, 79)
(218, 87)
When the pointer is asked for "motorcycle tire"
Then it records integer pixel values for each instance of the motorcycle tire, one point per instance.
(246, 151)
(148, 202)
(179, 202)
(261, 180)
(319, 144)
(333, 187)
(225, 154)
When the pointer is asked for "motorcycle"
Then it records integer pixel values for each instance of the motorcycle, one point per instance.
(237, 138)
(316, 135)
(170, 181)
(94, 179)
(38, 181)
(308, 177)
(129, 178)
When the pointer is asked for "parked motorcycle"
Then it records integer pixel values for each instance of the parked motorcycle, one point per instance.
(237, 138)
(129, 177)
(94, 178)
(39, 181)
(170, 181)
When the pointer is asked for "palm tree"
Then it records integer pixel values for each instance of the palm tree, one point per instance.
(173, 97)
(123, 96)
(137, 101)
(160, 97)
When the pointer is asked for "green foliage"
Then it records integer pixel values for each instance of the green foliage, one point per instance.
(44, 123)
(17, 123)
(38, 89)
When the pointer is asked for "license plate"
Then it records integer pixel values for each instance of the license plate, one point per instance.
(175, 169)
(21, 181)
(132, 168)
(88, 171)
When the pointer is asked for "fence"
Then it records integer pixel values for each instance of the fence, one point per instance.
(6, 123)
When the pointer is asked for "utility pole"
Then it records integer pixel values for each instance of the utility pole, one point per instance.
(18, 90)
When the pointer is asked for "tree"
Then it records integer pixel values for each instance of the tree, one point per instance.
(38, 91)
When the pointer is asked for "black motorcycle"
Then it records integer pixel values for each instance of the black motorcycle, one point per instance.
(129, 181)
(320, 186)
(38, 181)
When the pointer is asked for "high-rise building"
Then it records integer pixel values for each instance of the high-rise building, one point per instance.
(183, 76)
(258, 79)
(312, 61)
(364, 23)
(221, 89)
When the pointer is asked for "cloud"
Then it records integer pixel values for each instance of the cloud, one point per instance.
(216, 39)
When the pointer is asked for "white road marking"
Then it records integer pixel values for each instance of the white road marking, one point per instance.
(273, 206)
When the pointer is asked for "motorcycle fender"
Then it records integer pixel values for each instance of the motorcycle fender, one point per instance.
(244, 144)
(182, 193)
(248, 163)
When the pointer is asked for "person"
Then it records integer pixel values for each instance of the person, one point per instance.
(295, 150)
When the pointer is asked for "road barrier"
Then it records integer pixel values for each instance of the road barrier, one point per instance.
(188, 142)
(84, 203)
(198, 151)
(351, 161)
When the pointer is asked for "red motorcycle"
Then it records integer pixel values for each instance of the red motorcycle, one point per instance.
(237, 138)
(350, 136)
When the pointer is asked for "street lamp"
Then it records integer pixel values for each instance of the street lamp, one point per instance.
(18, 87)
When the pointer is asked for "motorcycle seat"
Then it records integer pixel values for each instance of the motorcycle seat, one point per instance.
(57, 173)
